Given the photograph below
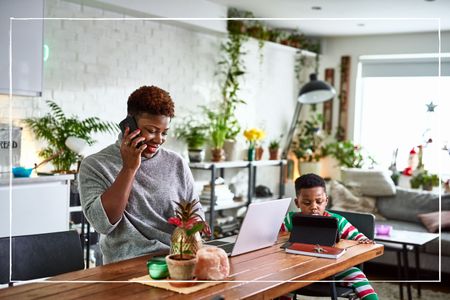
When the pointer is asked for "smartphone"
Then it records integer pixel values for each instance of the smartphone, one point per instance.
(131, 123)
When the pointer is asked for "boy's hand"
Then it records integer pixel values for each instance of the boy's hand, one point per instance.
(365, 241)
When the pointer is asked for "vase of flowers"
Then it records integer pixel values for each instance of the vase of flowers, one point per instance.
(253, 136)
(185, 240)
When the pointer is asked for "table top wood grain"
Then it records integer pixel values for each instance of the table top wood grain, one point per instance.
(261, 274)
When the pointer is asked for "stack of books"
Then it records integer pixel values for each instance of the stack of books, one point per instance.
(222, 194)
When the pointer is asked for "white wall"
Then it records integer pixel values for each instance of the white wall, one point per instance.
(94, 66)
(335, 47)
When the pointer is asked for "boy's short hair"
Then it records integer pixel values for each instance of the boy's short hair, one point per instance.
(307, 181)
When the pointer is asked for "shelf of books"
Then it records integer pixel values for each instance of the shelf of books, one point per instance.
(218, 194)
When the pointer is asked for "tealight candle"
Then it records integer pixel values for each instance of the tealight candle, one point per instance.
(157, 269)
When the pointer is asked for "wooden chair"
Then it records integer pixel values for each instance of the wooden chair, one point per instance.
(366, 224)
(43, 255)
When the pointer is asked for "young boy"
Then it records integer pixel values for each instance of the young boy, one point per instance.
(311, 200)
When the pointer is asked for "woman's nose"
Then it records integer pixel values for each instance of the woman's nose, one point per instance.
(158, 137)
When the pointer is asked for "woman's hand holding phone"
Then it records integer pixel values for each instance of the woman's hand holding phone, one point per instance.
(129, 149)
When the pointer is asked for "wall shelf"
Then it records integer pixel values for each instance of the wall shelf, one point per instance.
(218, 168)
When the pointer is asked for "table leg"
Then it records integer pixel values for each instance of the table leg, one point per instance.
(417, 253)
(400, 275)
(406, 267)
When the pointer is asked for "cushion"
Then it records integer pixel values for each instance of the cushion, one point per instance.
(370, 182)
(349, 199)
(431, 220)
(408, 203)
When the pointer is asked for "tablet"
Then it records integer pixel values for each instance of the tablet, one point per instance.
(310, 229)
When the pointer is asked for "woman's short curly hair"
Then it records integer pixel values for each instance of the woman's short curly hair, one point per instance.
(151, 100)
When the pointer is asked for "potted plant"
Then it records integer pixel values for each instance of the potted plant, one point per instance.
(253, 136)
(55, 127)
(218, 131)
(347, 154)
(308, 146)
(184, 243)
(194, 132)
(274, 148)
(424, 179)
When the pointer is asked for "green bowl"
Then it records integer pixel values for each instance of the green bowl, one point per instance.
(157, 269)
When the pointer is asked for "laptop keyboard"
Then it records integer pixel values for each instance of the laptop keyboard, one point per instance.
(227, 247)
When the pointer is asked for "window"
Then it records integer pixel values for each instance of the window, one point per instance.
(392, 110)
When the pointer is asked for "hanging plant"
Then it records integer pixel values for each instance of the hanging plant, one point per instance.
(232, 69)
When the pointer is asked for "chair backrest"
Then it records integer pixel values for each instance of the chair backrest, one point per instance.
(364, 222)
(45, 255)
(4, 260)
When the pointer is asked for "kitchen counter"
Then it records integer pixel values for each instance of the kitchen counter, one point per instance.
(5, 178)
(33, 205)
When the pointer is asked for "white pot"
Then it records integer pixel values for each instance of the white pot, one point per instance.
(231, 150)
(309, 167)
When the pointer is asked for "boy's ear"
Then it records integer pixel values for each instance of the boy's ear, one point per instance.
(296, 201)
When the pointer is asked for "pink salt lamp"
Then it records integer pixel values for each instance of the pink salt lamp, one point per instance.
(212, 264)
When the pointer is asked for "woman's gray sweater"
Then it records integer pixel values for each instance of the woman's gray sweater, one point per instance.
(143, 227)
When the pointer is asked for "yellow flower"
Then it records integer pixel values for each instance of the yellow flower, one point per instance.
(253, 135)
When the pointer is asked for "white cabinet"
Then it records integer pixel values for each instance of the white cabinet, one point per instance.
(39, 205)
(27, 46)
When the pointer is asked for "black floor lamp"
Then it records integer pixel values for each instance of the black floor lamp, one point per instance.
(314, 92)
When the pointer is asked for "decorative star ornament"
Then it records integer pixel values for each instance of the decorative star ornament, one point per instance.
(430, 106)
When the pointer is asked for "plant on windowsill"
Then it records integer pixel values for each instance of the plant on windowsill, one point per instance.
(424, 179)
(55, 127)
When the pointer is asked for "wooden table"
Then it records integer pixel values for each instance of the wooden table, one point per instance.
(262, 274)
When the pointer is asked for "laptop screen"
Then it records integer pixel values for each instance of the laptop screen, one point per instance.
(259, 228)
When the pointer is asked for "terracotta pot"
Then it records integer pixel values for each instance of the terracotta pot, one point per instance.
(273, 154)
(217, 154)
(259, 153)
(181, 269)
(191, 244)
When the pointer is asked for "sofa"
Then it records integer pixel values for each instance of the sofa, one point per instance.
(373, 191)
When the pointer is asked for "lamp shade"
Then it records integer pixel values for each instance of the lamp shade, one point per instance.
(315, 91)
(76, 144)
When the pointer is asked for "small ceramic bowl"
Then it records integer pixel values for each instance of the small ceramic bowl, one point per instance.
(157, 268)
(21, 171)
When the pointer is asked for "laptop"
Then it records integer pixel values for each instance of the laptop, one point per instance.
(259, 229)
(311, 229)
